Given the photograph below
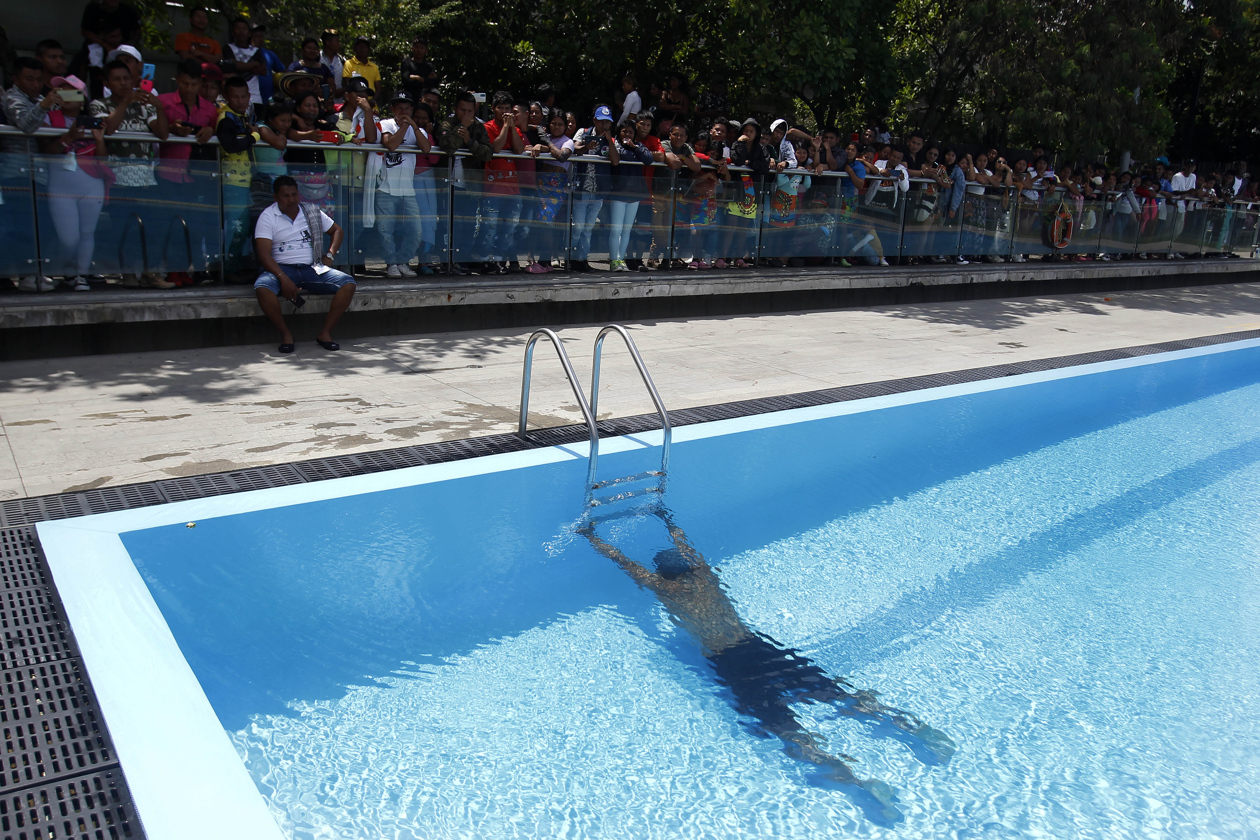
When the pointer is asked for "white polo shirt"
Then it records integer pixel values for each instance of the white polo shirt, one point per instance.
(290, 238)
(1184, 183)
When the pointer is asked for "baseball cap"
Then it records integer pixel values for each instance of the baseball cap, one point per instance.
(127, 49)
(74, 82)
(603, 113)
(358, 84)
(774, 126)
(751, 121)
(210, 70)
(402, 96)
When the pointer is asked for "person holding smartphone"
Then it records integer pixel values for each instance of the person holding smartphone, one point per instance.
(461, 132)
(132, 110)
(76, 181)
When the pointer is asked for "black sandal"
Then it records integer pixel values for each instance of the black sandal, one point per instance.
(286, 348)
(328, 345)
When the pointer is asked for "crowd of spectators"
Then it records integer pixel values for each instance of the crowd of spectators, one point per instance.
(532, 172)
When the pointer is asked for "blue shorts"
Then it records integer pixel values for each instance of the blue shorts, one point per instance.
(305, 278)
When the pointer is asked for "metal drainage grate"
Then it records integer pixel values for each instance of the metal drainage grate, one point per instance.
(32, 632)
(87, 806)
(219, 484)
(341, 466)
(59, 777)
(19, 565)
(50, 725)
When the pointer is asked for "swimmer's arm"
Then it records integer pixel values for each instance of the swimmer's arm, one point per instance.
(639, 574)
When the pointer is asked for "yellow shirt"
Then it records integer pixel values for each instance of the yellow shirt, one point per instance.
(368, 70)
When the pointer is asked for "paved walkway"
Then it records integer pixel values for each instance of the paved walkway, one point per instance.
(75, 424)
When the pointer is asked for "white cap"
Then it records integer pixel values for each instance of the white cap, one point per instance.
(774, 126)
(125, 48)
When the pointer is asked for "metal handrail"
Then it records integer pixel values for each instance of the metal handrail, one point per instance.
(144, 246)
(587, 414)
(643, 373)
(166, 243)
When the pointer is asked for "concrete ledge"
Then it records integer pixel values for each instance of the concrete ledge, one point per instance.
(128, 320)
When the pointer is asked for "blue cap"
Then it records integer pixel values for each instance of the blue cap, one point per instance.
(603, 113)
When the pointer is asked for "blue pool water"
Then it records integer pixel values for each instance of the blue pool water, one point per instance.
(1062, 578)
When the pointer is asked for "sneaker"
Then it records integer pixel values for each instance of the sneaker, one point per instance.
(537, 268)
(405, 270)
(80, 284)
(719, 263)
(642, 266)
(740, 263)
(621, 265)
(961, 261)
(155, 281)
(393, 271)
(694, 265)
(883, 262)
(427, 270)
(132, 280)
(843, 263)
(35, 284)
(459, 270)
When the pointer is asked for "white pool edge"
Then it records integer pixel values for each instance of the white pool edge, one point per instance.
(185, 777)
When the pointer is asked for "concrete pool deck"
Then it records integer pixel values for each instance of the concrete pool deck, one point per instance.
(79, 423)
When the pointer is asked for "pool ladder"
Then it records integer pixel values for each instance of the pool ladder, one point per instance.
(622, 484)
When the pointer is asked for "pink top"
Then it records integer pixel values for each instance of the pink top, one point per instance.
(174, 156)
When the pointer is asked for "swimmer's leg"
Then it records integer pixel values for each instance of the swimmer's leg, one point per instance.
(876, 799)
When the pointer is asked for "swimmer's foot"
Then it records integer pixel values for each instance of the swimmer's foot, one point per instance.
(937, 742)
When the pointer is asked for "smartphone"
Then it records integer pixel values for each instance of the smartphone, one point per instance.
(480, 97)
(146, 78)
(90, 123)
(71, 95)
(329, 136)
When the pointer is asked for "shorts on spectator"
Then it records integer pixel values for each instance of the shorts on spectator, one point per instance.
(305, 278)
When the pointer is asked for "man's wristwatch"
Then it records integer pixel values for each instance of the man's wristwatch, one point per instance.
(330, 256)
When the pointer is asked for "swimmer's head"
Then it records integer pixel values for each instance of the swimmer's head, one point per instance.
(671, 563)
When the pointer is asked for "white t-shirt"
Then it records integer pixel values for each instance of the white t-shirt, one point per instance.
(903, 184)
(290, 238)
(631, 108)
(244, 55)
(975, 187)
(398, 169)
(1183, 183)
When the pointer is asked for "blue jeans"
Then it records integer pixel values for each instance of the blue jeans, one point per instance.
(623, 213)
(305, 278)
(464, 228)
(426, 203)
(398, 225)
(500, 215)
(585, 214)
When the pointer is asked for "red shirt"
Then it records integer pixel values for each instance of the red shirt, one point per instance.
(174, 156)
(653, 144)
(500, 173)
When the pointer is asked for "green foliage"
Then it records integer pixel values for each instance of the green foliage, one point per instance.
(1087, 77)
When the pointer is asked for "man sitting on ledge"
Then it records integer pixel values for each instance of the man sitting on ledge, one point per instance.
(288, 240)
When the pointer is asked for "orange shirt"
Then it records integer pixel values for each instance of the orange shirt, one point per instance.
(187, 41)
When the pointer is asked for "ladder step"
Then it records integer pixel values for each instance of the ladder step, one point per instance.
(637, 477)
(630, 494)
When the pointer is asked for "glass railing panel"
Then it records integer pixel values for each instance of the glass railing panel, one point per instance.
(1242, 229)
(19, 256)
(798, 218)
(1189, 224)
(986, 213)
(869, 224)
(1031, 217)
(467, 194)
(541, 238)
(1155, 227)
(933, 222)
(1079, 229)
(1217, 221)
(591, 181)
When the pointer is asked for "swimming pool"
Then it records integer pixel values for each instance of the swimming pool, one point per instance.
(1054, 574)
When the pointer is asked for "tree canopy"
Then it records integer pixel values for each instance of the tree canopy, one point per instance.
(1088, 78)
